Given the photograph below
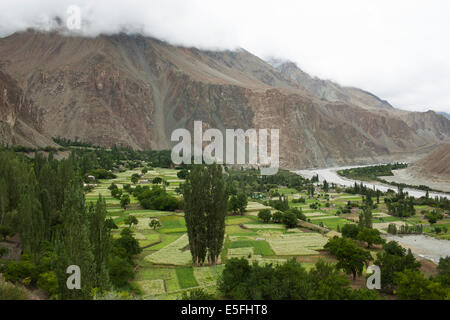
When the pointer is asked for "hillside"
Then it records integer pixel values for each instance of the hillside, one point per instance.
(134, 90)
(436, 164)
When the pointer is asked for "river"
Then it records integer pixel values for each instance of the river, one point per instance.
(331, 175)
(421, 246)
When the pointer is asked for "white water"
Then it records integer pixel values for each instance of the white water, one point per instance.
(331, 175)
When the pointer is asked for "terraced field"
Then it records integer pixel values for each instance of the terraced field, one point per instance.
(164, 268)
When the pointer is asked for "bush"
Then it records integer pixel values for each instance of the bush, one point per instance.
(298, 213)
(48, 282)
(3, 251)
(265, 215)
(120, 271)
(8, 291)
(277, 217)
(16, 271)
(6, 231)
(289, 219)
(101, 174)
(350, 231)
(197, 294)
(157, 199)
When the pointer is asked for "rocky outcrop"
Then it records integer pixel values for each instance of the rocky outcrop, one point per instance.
(19, 117)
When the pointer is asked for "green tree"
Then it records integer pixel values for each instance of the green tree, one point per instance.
(135, 178)
(290, 219)
(154, 224)
(393, 259)
(350, 230)
(265, 215)
(433, 216)
(370, 236)
(125, 201)
(157, 180)
(350, 257)
(277, 216)
(205, 207)
(182, 174)
(325, 186)
(100, 239)
(130, 220)
(73, 246)
(412, 285)
(6, 231)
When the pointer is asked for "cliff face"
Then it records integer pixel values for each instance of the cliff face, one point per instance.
(135, 91)
(19, 116)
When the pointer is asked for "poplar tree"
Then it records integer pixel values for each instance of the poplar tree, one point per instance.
(73, 246)
(100, 239)
(217, 198)
(205, 207)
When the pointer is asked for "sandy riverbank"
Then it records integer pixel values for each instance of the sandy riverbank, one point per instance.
(409, 176)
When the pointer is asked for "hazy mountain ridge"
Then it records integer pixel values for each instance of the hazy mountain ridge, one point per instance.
(444, 114)
(135, 91)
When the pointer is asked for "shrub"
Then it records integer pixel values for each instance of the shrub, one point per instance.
(265, 215)
(48, 282)
(197, 294)
(8, 291)
(350, 231)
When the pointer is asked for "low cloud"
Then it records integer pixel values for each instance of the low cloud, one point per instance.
(396, 49)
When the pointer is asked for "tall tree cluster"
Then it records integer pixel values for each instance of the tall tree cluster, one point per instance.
(42, 200)
(205, 207)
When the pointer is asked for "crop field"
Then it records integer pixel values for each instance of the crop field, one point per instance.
(259, 247)
(298, 243)
(173, 254)
(164, 268)
(186, 278)
(263, 226)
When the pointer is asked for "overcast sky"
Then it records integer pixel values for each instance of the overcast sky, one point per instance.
(398, 50)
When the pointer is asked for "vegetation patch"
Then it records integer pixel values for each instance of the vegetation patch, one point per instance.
(186, 278)
(152, 287)
(260, 247)
(173, 254)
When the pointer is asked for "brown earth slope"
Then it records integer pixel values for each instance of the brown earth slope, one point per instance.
(135, 90)
(436, 164)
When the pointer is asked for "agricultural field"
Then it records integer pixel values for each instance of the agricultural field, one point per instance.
(164, 267)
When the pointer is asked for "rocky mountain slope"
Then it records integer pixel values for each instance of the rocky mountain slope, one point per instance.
(19, 116)
(436, 163)
(445, 114)
(134, 90)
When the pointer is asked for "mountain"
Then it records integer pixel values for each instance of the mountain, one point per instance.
(135, 90)
(436, 163)
(328, 90)
(444, 114)
(19, 117)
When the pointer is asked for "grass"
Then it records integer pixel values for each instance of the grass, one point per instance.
(166, 239)
(298, 243)
(208, 275)
(168, 275)
(152, 287)
(264, 226)
(172, 254)
(331, 223)
(186, 278)
(234, 220)
(235, 229)
(260, 247)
